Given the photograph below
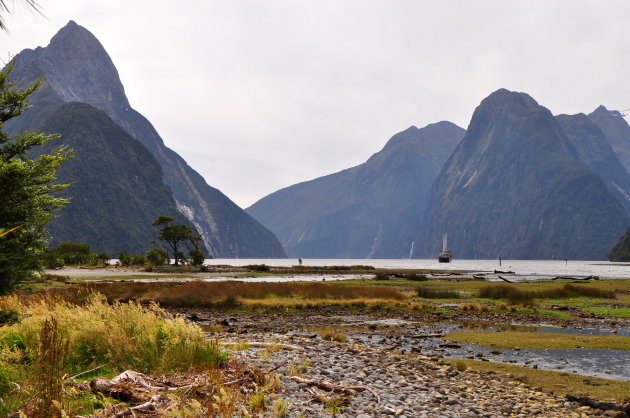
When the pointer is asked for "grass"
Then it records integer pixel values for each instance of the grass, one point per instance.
(426, 293)
(54, 338)
(539, 340)
(560, 383)
(615, 312)
(232, 294)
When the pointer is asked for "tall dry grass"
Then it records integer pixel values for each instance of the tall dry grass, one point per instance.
(226, 294)
(118, 335)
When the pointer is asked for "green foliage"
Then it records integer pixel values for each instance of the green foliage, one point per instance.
(516, 296)
(381, 276)
(131, 259)
(417, 277)
(157, 257)
(26, 189)
(175, 236)
(69, 253)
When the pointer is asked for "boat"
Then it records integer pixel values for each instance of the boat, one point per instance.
(445, 255)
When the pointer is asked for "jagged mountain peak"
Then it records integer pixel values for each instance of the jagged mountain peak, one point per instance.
(78, 68)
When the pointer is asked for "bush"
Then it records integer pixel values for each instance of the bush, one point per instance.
(502, 291)
(381, 276)
(157, 257)
(258, 267)
(426, 293)
(417, 277)
(196, 257)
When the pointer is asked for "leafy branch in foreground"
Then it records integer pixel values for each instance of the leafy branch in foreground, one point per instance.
(26, 188)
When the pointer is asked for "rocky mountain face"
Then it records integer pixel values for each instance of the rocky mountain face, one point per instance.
(373, 210)
(78, 69)
(116, 188)
(513, 188)
(617, 131)
(588, 144)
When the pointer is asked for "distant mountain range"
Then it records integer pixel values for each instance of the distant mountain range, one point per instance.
(520, 184)
(373, 210)
(77, 68)
(516, 187)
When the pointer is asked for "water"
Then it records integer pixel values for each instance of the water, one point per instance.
(524, 269)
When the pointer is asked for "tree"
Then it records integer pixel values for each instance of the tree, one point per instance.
(5, 9)
(175, 236)
(26, 188)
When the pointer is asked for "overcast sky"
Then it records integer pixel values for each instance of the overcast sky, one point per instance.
(259, 95)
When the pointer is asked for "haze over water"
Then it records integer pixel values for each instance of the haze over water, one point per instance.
(524, 269)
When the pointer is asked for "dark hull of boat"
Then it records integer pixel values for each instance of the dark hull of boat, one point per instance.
(444, 259)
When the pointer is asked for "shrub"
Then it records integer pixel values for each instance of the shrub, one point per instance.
(333, 336)
(197, 257)
(258, 267)
(461, 365)
(502, 291)
(381, 276)
(157, 257)
(417, 277)
(426, 293)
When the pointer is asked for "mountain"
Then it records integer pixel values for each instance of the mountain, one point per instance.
(621, 250)
(617, 131)
(513, 189)
(588, 144)
(78, 69)
(116, 188)
(372, 210)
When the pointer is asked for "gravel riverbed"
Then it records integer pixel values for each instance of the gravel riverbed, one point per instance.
(385, 381)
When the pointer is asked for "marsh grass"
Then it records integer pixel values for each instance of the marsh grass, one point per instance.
(427, 293)
(230, 294)
(523, 297)
(539, 340)
(560, 383)
(54, 337)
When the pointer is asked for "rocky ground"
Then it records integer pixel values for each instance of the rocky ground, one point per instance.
(381, 379)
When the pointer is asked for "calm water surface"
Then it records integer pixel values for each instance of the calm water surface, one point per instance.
(523, 269)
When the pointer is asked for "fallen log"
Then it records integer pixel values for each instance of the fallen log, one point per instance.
(428, 336)
(350, 390)
(130, 411)
(327, 400)
(591, 277)
(505, 280)
(324, 385)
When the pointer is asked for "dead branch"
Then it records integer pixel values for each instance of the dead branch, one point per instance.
(396, 412)
(85, 372)
(324, 385)
(428, 336)
(324, 400)
(369, 389)
(505, 280)
(130, 411)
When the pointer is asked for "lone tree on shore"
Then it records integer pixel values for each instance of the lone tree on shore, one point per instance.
(176, 236)
(26, 189)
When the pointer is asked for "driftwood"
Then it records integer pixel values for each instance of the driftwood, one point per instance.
(506, 280)
(591, 277)
(349, 390)
(503, 272)
(325, 400)
(130, 411)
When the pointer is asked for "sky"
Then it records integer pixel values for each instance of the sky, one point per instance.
(259, 95)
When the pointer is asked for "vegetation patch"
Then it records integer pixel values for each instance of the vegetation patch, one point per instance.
(427, 293)
(226, 294)
(560, 383)
(516, 296)
(616, 312)
(539, 340)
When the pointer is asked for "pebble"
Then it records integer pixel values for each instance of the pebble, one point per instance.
(409, 385)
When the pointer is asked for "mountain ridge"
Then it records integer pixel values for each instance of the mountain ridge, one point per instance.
(77, 68)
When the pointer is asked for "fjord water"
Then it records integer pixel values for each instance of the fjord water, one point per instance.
(523, 269)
